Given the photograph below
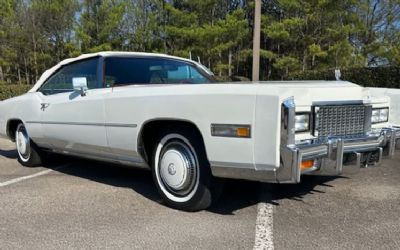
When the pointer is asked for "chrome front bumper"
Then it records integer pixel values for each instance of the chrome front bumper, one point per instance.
(328, 155)
(331, 156)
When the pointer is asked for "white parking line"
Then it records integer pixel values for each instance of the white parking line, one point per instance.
(6, 183)
(264, 238)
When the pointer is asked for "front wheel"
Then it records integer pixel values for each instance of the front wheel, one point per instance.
(181, 171)
(28, 152)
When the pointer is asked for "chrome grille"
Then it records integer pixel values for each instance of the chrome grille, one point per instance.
(343, 120)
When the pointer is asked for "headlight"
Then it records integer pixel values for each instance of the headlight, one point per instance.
(302, 122)
(380, 115)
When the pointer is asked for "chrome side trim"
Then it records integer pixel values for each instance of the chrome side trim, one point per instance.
(231, 164)
(137, 162)
(118, 125)
(233, 171)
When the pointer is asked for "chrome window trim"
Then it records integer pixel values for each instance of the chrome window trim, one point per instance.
(98, 74)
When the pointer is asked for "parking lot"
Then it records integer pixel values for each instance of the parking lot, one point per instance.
(76, 204)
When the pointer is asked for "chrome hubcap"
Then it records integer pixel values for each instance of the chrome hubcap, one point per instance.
(23, 143)
(178, 168)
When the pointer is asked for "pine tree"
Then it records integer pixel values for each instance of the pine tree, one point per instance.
(100, 25)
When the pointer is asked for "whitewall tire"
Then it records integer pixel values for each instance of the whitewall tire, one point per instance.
(181, 171)
(28, 152)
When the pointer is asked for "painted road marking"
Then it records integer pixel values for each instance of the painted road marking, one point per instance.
(264, 238)
(19, 179)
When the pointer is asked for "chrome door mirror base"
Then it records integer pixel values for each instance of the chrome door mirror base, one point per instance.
(80, 84)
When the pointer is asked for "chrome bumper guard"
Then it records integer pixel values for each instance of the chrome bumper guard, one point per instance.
(328, 154)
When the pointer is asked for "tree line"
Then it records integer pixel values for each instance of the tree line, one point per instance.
(297, 35)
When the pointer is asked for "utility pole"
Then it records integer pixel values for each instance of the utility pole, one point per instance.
(256, 41)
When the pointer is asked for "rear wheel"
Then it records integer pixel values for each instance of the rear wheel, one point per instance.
(28, 152)
(181, 171)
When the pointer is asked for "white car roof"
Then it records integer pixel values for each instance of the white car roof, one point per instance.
(53, 69)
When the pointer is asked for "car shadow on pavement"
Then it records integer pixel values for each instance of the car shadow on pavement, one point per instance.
(309, 185)
(138, 180)
(11, 154)
(240, 194)
(236, 194)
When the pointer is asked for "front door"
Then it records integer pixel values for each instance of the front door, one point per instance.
(71, 122)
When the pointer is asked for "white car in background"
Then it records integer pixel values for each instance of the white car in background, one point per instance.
(167, 114)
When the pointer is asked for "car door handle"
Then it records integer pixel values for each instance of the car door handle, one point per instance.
(44, 106)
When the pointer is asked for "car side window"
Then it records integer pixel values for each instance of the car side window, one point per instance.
(129, 71)
(61, 81)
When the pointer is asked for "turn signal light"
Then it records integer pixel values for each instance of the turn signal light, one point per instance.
(243, 132)
(231, 130)
(307, 164)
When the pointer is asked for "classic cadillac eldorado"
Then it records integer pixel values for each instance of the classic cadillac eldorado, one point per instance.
(169, 115)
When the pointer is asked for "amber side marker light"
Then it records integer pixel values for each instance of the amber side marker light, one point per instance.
(231, 130)
(307, 164)
(243, 132)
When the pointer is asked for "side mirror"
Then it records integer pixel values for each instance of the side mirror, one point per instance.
(80, 84)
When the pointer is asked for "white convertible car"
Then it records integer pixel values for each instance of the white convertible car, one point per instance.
(167, 114)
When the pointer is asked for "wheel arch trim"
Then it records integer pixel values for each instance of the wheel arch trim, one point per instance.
(141, 149)
(10, 124)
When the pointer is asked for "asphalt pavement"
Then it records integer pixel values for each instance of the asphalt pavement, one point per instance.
(79, 204)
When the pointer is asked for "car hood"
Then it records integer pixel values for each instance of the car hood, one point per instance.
(307, 93)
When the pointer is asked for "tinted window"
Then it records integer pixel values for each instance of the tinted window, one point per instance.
(61, 81)
(126, 71)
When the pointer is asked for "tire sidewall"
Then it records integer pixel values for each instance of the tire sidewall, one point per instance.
(22, 159)
(35, 158)
(200, 197)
